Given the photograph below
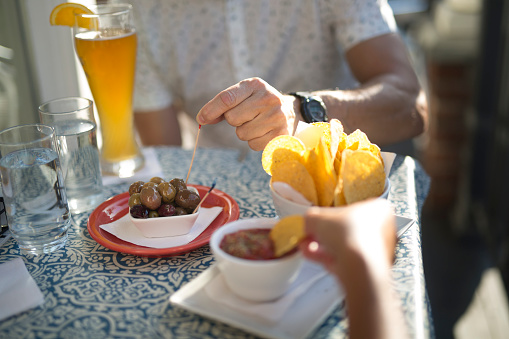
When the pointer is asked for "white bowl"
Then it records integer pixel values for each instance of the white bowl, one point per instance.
(165, 226)
(255, 280)
(285, 207)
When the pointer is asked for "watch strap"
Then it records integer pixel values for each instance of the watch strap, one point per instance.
(307, 99)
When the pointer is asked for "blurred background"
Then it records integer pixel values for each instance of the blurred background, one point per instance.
(460, 49)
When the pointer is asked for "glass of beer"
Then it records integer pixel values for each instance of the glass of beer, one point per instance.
(106, 43)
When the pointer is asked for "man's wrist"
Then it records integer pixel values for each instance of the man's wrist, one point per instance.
(311, 108)
(291, 100)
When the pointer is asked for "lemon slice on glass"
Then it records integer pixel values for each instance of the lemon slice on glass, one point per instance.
(63, 15)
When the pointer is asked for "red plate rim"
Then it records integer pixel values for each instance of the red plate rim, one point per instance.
(116, 207)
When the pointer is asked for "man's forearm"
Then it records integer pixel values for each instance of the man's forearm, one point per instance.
(383, 109)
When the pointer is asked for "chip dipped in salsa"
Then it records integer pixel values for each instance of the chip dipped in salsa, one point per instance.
(252, 244)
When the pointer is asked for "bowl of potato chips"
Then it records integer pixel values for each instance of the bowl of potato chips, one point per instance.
(323, 166)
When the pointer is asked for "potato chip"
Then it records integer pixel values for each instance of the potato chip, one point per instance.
(363, 175)
(375, 150)
(357, 140)
(337, 163)
(281, 149)
(287, 234)
(326, 132)
(320, 167)
(336, 134)
(295, 174)
(311, 135)
(339, 196)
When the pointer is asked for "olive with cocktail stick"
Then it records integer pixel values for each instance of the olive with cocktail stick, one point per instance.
(187, 199)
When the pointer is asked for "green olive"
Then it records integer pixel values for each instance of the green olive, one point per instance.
(135, 187)
(150, 198)
(180, 211)
(187, 199)
(179, 184)
(149, 184)
(167, 191)
(157, 180)
(153, 214)
(134, 200)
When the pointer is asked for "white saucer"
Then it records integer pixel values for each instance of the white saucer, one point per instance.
(302, 318)
(307, 312)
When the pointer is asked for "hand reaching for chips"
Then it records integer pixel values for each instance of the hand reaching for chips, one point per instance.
(325, 165)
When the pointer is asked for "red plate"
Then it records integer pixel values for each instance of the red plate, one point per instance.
(116, 207)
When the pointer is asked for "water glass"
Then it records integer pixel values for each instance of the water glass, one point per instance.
(76, 132)
(33, 188)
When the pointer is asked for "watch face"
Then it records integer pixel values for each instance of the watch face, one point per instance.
(316, 111)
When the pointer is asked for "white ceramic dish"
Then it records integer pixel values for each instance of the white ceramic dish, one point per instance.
(257, 280)
(165, 226)
(300, 320)
(285, 207)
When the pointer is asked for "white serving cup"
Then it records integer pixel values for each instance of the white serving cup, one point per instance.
(255, 280)
(166, 226)
(285, 207)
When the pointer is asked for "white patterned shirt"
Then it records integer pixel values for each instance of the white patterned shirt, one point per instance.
(190, 50)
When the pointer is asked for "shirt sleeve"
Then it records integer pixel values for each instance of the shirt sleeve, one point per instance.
(359, 20)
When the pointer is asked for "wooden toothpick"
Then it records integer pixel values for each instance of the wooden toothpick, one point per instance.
(205, 197)
(192, 159)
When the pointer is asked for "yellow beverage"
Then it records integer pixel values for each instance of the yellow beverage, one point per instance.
(108, 59)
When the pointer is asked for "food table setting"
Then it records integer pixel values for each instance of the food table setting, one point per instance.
(111, 239)
(91, 290)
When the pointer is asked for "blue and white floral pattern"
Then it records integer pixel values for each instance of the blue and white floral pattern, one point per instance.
(93, 292)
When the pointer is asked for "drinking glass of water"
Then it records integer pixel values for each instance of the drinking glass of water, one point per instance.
(76, 132)
(33, 188)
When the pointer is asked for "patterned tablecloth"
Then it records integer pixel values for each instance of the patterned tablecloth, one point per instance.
(93, 292)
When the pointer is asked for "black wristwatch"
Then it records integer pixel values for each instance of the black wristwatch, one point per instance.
(312, 107)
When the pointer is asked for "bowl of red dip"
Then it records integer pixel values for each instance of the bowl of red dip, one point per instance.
(244, 254)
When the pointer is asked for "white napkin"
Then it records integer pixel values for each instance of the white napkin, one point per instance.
(124, 229)
(18, 290)
(271, 311)
(152, 168)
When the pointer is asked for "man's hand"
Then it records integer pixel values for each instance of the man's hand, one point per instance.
(258, 111)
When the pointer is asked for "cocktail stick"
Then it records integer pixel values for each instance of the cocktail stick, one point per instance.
(205, 197)
(192, 159)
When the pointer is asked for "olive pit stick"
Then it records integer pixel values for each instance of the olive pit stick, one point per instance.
(205, 197)
(192, 159)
